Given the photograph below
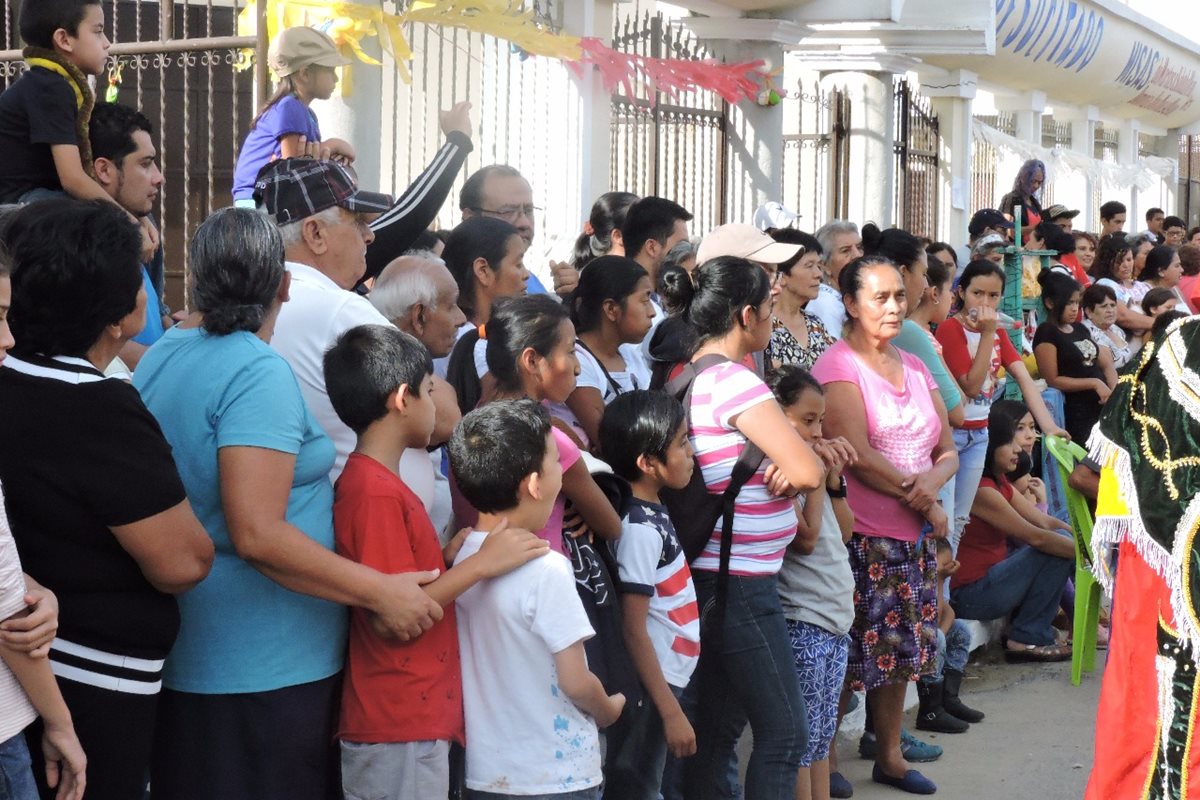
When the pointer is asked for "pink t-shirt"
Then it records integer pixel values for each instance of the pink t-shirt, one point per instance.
(902, 425)
(568, 454)
(763, 525)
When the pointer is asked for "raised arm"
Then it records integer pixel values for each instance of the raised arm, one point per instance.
(1033, 399)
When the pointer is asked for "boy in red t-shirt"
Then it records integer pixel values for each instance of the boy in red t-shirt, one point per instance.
(401, 701)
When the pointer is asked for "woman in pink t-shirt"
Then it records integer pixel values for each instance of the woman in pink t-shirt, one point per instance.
(885, 402)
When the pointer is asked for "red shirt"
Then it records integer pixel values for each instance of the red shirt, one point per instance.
(394, 691)
(982, 546)
(959, 356)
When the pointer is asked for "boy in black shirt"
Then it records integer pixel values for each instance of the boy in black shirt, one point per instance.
(44, 115)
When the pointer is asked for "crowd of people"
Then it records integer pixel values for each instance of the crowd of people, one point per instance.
(380, 516)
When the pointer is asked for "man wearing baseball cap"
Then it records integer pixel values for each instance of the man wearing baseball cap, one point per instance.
(983, 222)
(1061, 216)
(324, 219)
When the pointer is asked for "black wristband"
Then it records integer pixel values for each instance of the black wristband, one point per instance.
(838, 493)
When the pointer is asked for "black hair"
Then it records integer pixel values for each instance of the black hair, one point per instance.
(1164, 320)
(111, 131)
(1024, 467)
(635, 424)
(807, 241)
(938, 273)
(477, 237)
(1111, 209)
(236, 259)
(895, 244)
(606, 278)
(1157, 297)
(608, 214)
(365, 367)
(494, 448)
(1057, 290)
(1096, 294)
(1013, 409)
(674, 288)
(7, 212)
(1173, 222)
(76, 269)
(39, 19)
(1055, 238)
(1157, 261)
(651, 218)
(712, 301)
(850, 278)
(1151, 213)
(470, 198)
(518, 323)
(979, 268)
(942, 247)
(789, 382)
(426, 240)
(1002, 430)
(1112, 251)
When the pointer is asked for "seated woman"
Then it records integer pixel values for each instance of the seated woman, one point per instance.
(1027, 583)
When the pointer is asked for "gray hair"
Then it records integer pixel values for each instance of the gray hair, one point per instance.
(404, 283)
(292, 233)
(829, 230)
(236, 260)
(680, 252)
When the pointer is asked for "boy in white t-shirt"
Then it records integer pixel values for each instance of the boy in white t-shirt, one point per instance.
(532, 706)
(644, 437)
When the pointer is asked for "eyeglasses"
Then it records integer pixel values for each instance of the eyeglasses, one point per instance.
(509, 213)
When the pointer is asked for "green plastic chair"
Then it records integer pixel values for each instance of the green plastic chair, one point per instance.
(1087, 590)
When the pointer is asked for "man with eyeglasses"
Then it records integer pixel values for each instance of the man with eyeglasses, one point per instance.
(500, 191)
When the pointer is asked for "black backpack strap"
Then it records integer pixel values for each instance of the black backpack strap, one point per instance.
(616, 387)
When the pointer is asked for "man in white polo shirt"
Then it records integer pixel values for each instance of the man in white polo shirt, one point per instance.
(324, 220)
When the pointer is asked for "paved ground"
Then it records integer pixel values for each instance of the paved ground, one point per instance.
(1035, 743)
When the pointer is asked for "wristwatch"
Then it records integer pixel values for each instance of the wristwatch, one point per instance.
(839, 492)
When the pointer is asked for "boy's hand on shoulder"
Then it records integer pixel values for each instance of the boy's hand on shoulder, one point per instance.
(681, 738)
(614, 704)
(452, 548)
(507, 548)
(404, 609)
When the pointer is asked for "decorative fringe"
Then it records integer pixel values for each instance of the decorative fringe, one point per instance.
(1110, 530)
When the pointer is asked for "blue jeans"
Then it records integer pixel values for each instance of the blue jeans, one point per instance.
(752, 678)
(972, 448)
(672, 779)
(1028, 584)
(16, 772)
(954, 649)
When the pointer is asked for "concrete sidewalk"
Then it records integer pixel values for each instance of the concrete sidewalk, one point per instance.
(1035, 743)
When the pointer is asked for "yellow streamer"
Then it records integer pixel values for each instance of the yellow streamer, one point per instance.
(348, 24)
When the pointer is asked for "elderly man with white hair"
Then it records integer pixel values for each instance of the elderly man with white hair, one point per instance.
(417, 293)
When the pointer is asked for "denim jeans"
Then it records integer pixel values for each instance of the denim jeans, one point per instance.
(954, 650)
(578, 794)
(637, 753)
(672, 779)
(972, 448)
(752, 678)
(16, 772)
(1028, 584)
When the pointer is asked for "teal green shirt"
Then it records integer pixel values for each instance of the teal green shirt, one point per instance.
(918, 342)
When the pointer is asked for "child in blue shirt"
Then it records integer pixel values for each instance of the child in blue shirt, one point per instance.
(304, 59)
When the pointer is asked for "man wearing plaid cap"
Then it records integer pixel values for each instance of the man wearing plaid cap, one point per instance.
(324, 219)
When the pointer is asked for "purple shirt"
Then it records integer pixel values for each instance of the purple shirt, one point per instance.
(286, 117)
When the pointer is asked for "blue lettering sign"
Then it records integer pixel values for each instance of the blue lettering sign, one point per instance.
(1062, 32)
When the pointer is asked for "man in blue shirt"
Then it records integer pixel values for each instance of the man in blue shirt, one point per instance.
(126, 167)
(500, 191)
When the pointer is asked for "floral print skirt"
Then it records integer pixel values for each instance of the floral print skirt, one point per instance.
(894, 635)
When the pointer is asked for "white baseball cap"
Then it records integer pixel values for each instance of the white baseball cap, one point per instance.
(744, 241)
(774, 215)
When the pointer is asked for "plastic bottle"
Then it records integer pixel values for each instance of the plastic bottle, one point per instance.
(1002, 320)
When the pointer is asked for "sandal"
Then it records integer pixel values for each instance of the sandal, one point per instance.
(1030, 652)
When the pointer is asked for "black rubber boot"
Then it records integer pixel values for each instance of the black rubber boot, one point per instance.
(952, 682)
(931, 716)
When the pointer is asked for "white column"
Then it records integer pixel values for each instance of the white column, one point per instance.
(1027, 110)
(872, 135)
(1077, 191)
(1127, 153)
(592, 18)
(952, 96)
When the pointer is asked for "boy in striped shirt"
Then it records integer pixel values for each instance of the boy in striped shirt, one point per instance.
(644, 437)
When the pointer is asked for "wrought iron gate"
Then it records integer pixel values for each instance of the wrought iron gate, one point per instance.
(674, 148)
(816, 154)
(1189, 179)
(182, 64)
(916, 155)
